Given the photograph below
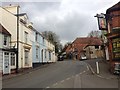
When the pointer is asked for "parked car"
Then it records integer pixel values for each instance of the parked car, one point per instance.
(60, 58)
(83, 58)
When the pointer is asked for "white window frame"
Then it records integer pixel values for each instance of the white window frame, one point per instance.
(26, 37)
(26, 57)
(5, 39)
(13, 59)
(37, 49)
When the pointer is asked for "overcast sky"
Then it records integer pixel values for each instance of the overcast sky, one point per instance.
(69, 19)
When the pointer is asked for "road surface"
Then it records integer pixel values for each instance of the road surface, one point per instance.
(62, 74)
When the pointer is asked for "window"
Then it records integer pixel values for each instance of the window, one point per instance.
(49, 55)
(43, 40)
(116, 49)
(91, 52)
(36, 37)
(25, 19)
(26, 57)
(36, 52)
(12, 59)
(5, 40)
(26, 37)
(45, 53)
(96, 47)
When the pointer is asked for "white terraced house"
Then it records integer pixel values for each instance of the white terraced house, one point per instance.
(9, 21)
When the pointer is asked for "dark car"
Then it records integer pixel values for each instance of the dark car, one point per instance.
(60, 58)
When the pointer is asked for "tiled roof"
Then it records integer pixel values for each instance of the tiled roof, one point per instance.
(4, 31)
(80, 43)
(88, 41)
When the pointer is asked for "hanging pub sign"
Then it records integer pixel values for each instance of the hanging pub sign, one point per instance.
(102, 22)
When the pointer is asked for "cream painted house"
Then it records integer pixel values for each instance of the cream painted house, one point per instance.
(9, 21)
(94, 51)
(7, 53)
(50, 50)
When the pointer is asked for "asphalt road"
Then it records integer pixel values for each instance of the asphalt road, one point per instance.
(62, 74)
(49, 76)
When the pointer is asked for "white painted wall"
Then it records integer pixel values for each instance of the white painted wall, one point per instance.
(50, 47)
(1, 61)
(9, 21)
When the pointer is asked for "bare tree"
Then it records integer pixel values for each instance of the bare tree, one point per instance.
(94, 34)
(53, 38)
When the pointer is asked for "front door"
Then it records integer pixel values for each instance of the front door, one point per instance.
(6, 68)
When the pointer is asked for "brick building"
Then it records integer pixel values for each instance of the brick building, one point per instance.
(77, 48)
(113, 34)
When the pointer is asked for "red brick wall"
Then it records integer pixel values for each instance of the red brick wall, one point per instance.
(116, 19)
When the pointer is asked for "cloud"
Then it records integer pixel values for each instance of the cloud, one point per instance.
(67, 18)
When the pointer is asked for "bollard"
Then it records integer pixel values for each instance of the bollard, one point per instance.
(97, 65)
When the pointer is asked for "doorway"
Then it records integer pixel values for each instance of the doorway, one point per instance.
(6, 63)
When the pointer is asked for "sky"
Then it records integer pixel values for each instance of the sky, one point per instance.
(69, 19)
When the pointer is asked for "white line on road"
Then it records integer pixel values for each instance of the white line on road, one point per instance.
(72, 76)
(77, 75)
(67, 78)
(62, 81)
(84, 71)
(87, 68)
(48, 87)
(77, 82)
(55, 84)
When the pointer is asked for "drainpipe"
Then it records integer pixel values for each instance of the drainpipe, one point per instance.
(17, 55)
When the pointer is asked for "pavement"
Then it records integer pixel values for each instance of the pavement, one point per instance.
(103, 69)
(23, 72)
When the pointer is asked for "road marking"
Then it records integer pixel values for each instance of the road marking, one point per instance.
(77, 75)
(67, 78)
(72, 76)
(62, 81)
(77, 82)
(48, 87)
(80, 73)
(87, 68)
(84, 71)
(55, 84)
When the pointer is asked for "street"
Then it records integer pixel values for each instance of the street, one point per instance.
(62, 74)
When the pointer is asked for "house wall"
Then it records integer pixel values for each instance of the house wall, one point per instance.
(113, 22)
(91, 52)
(36, 44)
(2, 67)
(9, 21)
(1, 61)
(25, 46)
(42, 49)
(1, 54)
(50, 52)
(3, 47)
(1, 40)
(11, 9)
